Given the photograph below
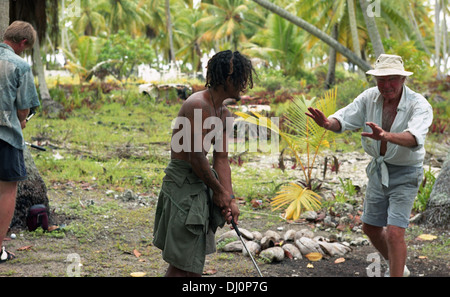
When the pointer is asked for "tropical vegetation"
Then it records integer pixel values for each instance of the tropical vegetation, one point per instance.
(298, 48)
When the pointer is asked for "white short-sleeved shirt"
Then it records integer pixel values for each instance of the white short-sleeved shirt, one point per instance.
(414, 114)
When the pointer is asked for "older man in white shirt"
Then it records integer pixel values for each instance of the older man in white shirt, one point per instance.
(395, 121)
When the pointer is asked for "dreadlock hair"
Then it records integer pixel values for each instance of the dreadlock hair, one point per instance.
(229, 64)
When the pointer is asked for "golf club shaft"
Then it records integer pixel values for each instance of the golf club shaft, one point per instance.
(36, 146)
(245, 246)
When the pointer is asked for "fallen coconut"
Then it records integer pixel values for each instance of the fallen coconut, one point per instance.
(334, 248)
(303, 233)
(235, 246)
(289, 235)
(308, 245)
(252, 247)
(270, 239)
(257, 236)
(232, 234)
(291, 251)
(272, 254)
(227, 235)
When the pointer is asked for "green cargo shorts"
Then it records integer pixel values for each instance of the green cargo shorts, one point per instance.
(185, 221)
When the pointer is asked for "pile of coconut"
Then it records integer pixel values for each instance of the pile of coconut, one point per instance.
(275, 247)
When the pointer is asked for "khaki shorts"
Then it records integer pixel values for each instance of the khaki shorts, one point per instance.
(391, 205)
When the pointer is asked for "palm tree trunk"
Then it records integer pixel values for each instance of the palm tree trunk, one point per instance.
(49, 106)
(353, 28)
(316, 32)
(372, 30)
(437, 38)
(331, 74)
(4, 17)
(169, 32)
(416, 29)
(437, 212)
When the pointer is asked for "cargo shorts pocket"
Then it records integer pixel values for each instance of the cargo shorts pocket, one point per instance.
(197, 216)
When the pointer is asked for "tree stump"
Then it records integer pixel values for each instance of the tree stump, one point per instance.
(437, 212)
(30, 192)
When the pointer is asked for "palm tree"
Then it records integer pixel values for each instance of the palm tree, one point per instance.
(229, 21)
(90, 21)
(4, 17)
(188, 36)
(372, 29)
(38, 13)
(281, 43)
(316, 32)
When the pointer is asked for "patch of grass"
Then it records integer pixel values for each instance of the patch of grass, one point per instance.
(122, 144)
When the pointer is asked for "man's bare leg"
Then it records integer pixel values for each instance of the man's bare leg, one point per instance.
(397, 250)
(8, 192)
(377, 236)
(390, 242)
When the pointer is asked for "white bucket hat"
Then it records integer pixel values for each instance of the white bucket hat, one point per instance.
(389, 65)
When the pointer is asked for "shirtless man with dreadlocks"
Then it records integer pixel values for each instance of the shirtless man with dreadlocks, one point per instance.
(196, 199)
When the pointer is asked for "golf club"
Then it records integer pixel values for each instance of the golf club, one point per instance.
(30, 115)
(245, 246)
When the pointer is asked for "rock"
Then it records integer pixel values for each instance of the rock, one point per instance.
(308, 245)
(235, 246)
(290, 250)
(289, 235)
(128, 195)
(309, 215)
(273, 254)
(328, 222)
(253, 248)
(359, 241)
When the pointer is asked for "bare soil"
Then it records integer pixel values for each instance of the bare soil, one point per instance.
(102, 236)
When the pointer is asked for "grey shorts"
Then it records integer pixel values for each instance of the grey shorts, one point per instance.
(391, 205)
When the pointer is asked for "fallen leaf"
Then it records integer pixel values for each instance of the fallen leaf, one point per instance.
(136, 253)
(210, 272)
(25, 248)
(309, 265)
(426, 237)
(339, 260)
(52, 228)
(138, 274)
(314, 256)
(423, 257)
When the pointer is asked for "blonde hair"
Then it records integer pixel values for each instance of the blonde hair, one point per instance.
(18, 31)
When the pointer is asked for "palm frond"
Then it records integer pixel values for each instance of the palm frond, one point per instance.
(299, 199)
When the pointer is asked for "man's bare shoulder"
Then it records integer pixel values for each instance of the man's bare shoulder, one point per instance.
(195, 101)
